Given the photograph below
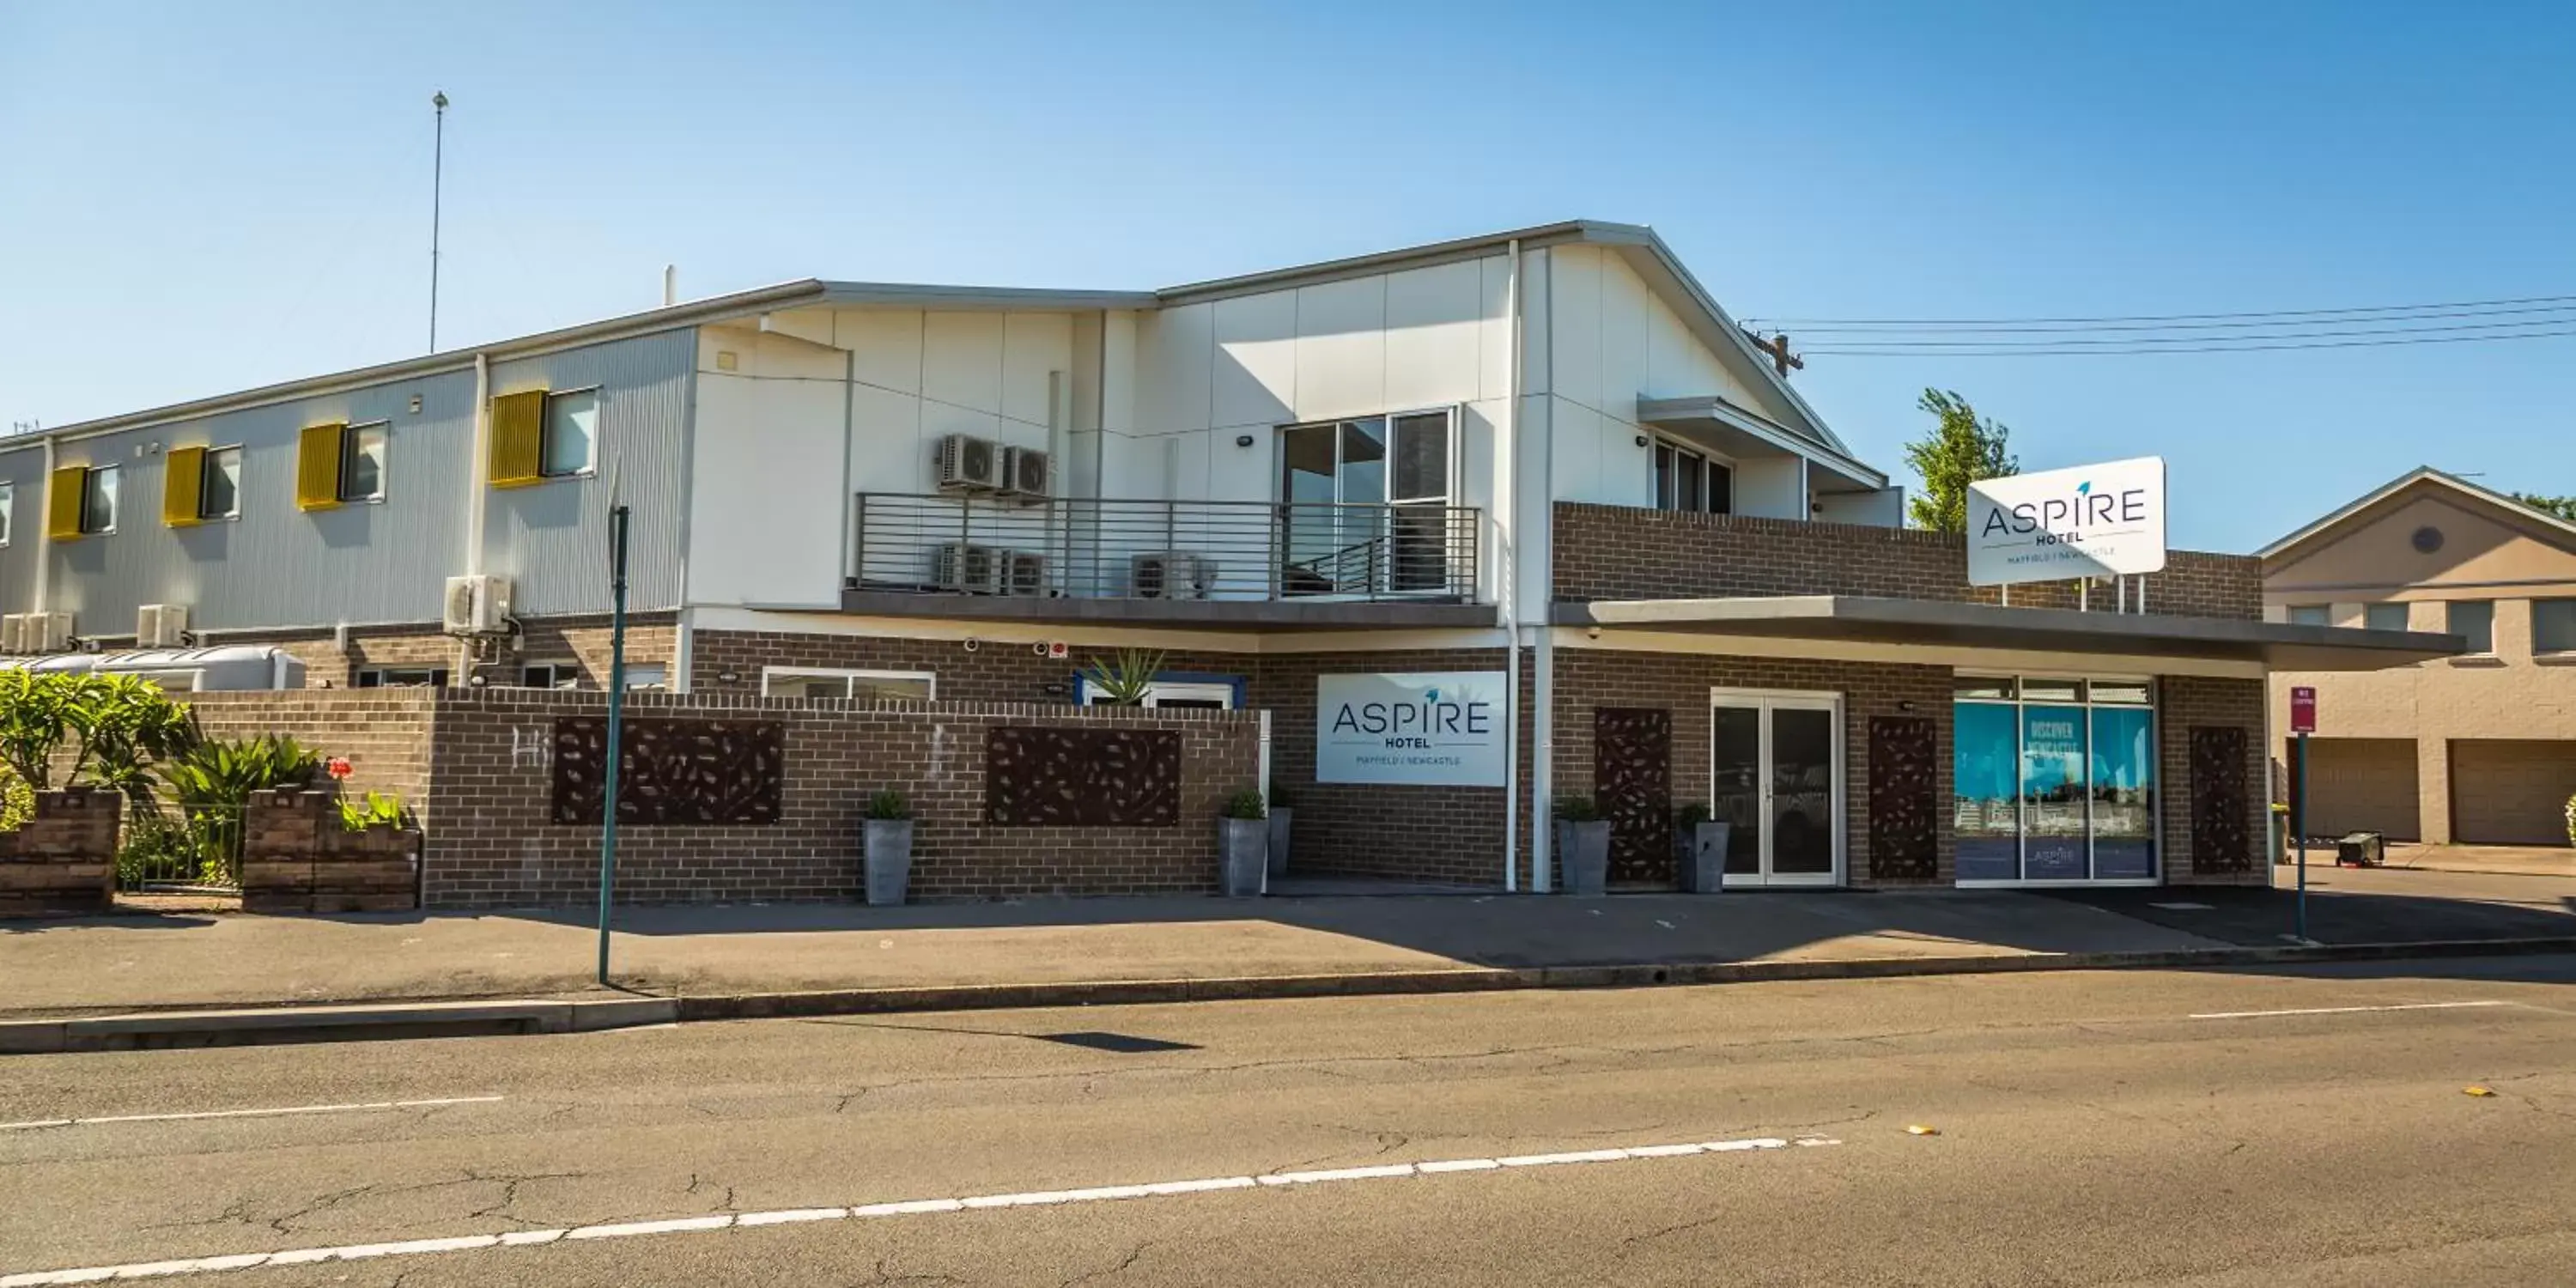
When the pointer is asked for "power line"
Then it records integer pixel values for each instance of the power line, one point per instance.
(2061, 328)
(2338, 333)
(2043, 352)
(1774, 323)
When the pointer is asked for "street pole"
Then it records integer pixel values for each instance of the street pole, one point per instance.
(437, 179)
(618, 517)
(2299, 831)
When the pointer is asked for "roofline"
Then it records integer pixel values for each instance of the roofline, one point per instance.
(2421, 473)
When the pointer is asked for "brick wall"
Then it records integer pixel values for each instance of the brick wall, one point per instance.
(1624, 552)
(385, 733)
(992, 672)
(498, 847)
(62, 860)
(651, 639)
(2188, 702)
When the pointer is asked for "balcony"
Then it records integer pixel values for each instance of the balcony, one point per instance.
(1206, 563)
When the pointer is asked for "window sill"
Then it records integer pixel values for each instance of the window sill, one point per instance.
(2476, 660)
(2553, 659)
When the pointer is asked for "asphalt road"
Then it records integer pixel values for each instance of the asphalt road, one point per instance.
(2091, 1128)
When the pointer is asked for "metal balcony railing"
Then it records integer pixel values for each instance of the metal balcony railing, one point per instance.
(1111, 549)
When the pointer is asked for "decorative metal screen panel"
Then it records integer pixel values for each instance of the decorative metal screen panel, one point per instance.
(1043, 777)
(1904, 798)
(1632, 769)
(2221, 838)
(725, 772)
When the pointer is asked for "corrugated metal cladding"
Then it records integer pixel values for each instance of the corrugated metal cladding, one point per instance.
(277, 566)
(22, 467)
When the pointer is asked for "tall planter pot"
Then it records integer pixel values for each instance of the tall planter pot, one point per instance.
(1704, 857)
(1584, 851)
(1243, 846)
(888, 859)
(1280, 818)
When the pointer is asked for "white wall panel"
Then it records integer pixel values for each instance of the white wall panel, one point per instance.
(1341, 349)
(1578, 450)
(1173, 357)
(1538, 313)
(1033, 345)
(1624, 305)
(1255, 351)
(1494, 337)
(962, 360)
(888, 345)
(1574, 324)
(887, 451)
(1434, 334)
(1120, 367)
(1767, 487)
(766, 503)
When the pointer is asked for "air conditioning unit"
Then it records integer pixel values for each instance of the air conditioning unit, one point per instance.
(1026, 472)
(958, 565)
(1170, 575)
(477, 605)
(161, 626)
(13, 628)
(970, 464)
(46, 633)
(1027, 574)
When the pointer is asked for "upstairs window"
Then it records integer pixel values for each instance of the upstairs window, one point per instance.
(1688, 481)
(572, 434)
(402, 677)
(8, 503)
(2473, 619)
(362, 463)
(2553, 626)
(2311, 615)
(98, 500)
(2384, 617)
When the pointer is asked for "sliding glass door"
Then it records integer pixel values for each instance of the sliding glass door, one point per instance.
(1364, 505)
(1775, 762)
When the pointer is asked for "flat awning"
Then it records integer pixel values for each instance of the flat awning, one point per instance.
(2278, 646)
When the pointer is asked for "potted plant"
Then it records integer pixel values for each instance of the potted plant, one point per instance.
(1281, 816)
(1703, 849)
(1582, 845)
(889, 848)
(1126, 679)
(1244, 843)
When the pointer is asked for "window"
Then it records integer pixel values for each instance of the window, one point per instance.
(2384, 617)
(362, 463)
(2054, 779)
(550, 675)
(1688, 481)
(403, 677)
(8, 502)
(219, 494)
(98, 499)
(572, 433)
(2553, 622)
(1174, 695)
(2311, 615)
(1365, 506)
(651, 675)
(2474, 619)
(862, 686)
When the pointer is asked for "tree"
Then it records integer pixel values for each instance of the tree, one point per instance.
(1963, 448)
(2563, 507)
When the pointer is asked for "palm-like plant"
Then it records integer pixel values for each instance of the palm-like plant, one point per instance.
(125, 726)
(213, 780)
(1124, 678)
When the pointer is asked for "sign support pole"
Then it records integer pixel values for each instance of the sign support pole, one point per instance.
(2299, 829)
(618, 518)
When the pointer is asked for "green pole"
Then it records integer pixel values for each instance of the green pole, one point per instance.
(618, 517)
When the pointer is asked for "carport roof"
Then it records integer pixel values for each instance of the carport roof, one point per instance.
(2279, 646)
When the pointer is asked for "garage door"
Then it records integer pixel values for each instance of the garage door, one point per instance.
(2511, 792)
(2362, 785)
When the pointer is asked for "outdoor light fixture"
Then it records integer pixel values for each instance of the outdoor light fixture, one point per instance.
(1243, 440)
(728, 677)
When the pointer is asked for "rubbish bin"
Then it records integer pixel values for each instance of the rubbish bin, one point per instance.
(2361, 850)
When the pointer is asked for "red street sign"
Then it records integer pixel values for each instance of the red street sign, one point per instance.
(2303, 709)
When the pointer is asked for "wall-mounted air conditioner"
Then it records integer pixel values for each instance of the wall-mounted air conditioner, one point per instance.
(13, 627)
(958, 565)
(1026, 472)
(1027, 574)
(46, 633)
(1171, 575)
(161, 626)
(969, 464)
(477, 605)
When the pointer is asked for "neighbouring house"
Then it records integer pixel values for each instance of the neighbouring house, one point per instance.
(1481, 526)
(2474, 749)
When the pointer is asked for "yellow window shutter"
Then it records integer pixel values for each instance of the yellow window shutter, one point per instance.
(317, 467)
(183, 482)
(63, 503)
(518, 438)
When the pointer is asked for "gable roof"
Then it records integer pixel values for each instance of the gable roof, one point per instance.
(2424, 478)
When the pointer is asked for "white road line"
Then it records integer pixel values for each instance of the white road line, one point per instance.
(910, 1207)
(2344, 1010)
(249, 1113)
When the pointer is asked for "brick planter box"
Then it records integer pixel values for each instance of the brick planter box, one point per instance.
(63, 861)
(296, 857)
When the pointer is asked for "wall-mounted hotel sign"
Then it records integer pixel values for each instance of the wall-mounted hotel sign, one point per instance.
(1436, 729)
(2095, 521)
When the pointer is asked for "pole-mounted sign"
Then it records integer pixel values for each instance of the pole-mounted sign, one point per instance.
(2103, 520)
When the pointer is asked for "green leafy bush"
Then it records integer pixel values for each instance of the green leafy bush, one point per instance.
(1692, 815)
(1246, 805)
(213, 780)
(889, 806)
(376, 809)
(17, 801)
(1577, 809)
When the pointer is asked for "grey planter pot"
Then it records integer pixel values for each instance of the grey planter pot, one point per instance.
(1280, 818)
(1243, 847)
(888, 859)
(1704, 857)
(1583, 852)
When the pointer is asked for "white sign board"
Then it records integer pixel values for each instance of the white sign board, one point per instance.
(2095, 521)
(1433, 729)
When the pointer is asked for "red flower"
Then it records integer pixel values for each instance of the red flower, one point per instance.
(338, 767)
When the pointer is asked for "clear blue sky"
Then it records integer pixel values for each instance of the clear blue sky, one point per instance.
(198, 198)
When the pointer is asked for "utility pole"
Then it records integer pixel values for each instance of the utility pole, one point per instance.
(618, 518)
(1777, 349)
(437, 178)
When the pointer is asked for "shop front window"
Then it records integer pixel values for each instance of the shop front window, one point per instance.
(2055, 779)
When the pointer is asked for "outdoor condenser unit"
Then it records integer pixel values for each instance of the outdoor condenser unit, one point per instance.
(13, 627)
(1028, 574)
(1026, 472)
(476, 605)
(161, 626)
(1171, 575)
(970, 464)
(959, 565)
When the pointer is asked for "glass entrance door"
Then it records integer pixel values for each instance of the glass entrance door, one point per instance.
(1776, 779)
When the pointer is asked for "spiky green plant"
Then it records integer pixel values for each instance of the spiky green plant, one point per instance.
(1125, 677)
(213, 780)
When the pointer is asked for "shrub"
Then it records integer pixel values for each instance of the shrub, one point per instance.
(889, 806)
(377, 809)
(17, 801)
(1692, 815)
(1127, 678)
(1577, 809)
(213, 781)
(155, 847)
(1246, 805)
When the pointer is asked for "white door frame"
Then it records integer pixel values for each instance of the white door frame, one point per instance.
(1767, 701)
